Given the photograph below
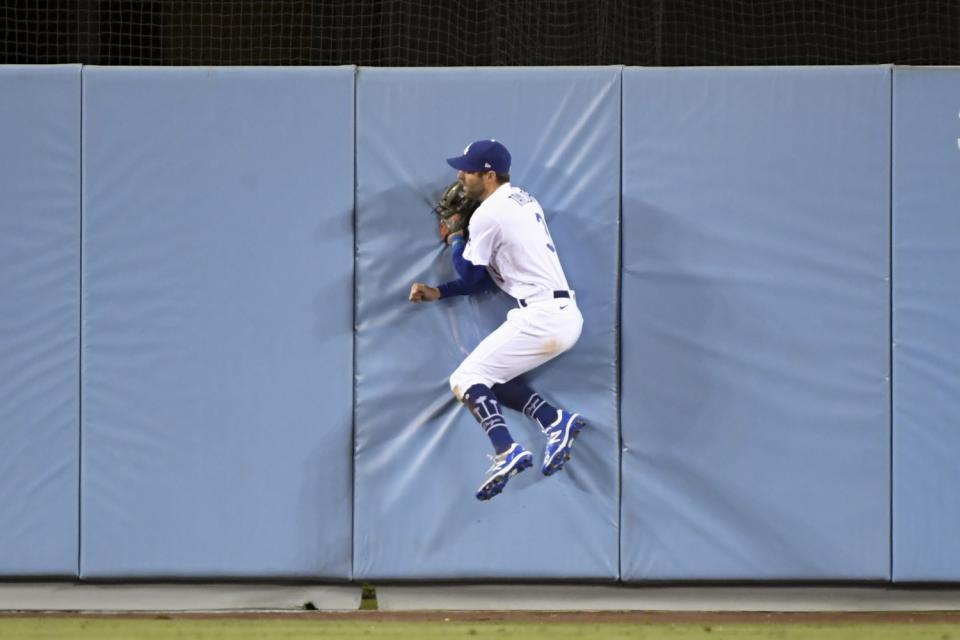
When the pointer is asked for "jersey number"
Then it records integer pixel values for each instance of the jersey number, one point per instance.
(541, 220)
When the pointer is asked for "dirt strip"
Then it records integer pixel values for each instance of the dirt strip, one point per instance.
(538, 617)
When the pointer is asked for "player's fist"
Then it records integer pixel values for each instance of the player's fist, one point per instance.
(420, 292)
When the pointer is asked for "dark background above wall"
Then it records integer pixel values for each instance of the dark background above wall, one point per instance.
(473, 33)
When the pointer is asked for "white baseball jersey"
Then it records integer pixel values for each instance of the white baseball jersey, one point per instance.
(509, 236)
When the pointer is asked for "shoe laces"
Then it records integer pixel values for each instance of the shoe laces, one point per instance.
(497, 461)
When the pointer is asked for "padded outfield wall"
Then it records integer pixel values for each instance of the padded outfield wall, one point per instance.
(756, 389)
(419, 453)
(217, 323)
(208, 367)
(39, 320)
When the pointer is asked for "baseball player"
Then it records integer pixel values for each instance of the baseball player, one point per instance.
(510, 246)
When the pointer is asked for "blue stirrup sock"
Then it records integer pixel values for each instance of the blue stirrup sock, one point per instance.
(520, 397)
(483, 403)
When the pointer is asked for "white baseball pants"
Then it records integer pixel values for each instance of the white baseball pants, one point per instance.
(529, 337)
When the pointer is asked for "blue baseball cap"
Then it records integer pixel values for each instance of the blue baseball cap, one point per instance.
(483, 155)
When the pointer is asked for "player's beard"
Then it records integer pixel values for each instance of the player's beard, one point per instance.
(473, 190)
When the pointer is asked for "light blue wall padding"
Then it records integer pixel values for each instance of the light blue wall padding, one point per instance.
(926, 324)
(39, 319)
(217, 322)
(755, 360)
(420, 456)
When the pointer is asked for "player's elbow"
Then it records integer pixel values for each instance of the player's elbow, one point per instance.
(476, 280)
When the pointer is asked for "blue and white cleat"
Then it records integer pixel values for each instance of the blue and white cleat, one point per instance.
(560, 437)
(505, 466)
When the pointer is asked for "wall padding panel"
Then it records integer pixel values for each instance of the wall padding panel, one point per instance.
(926, 329)
(217, 322)
(755, 324)
(39, 319)
(420, 456)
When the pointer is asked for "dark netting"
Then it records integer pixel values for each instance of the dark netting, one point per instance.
(481, 32)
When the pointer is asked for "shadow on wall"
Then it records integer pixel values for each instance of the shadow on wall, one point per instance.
(698, 335)
(667, 304)
(330, 288)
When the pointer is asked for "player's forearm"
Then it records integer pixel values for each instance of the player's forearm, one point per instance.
(461, 287)
(453, 288)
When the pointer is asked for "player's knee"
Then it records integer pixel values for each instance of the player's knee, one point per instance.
(460, 381)
(456, 385)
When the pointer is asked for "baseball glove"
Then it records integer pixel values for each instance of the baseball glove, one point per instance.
(453, 211)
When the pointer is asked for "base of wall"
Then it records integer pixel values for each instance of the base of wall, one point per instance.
(175, 597)
(634, 598)
(486, 597)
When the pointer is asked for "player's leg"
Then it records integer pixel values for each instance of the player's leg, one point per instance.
(550, 328)
(471, 384)
(485, 407)
(519, 396)
(561, 427)
(511, 458)
(528, 338)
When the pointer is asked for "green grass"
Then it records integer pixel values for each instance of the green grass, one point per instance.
(368, 598)
(242, 629)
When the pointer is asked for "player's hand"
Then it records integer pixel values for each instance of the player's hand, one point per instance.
(449, 226)
(420, 292)
(451, 236)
